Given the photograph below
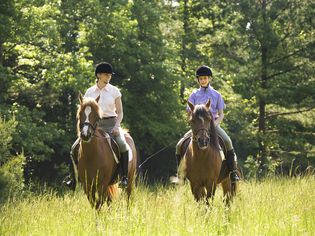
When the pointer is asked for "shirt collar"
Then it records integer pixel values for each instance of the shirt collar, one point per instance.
(106, 88)
(209, 88)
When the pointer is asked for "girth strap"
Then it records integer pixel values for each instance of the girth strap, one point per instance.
(109, 141)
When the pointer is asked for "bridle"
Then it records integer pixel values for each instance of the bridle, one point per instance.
(195, 134)
(93, 126)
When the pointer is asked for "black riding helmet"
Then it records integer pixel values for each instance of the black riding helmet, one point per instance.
(104, 67)
(203, 71)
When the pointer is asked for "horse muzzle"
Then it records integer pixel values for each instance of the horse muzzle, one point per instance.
(86, 137)
(203, 142)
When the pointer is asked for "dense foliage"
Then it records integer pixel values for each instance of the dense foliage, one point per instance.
(261, 53)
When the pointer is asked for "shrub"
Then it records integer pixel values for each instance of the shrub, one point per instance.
(11, 177)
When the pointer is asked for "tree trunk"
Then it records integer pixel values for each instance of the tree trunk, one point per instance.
(262, 100)
(1, 54)
(184, 48)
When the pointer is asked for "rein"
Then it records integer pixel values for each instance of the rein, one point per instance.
(89, 124)
(104, 135)
(154, 154)
(94, 127)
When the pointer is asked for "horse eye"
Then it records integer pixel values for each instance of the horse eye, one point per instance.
(194, 120)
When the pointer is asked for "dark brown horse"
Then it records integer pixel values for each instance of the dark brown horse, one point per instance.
(97, 161)
(203, 164)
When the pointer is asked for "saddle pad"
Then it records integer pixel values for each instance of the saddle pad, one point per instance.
(129, 153)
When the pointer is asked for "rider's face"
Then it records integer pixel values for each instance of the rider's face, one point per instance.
(104, 77)
(203, 80)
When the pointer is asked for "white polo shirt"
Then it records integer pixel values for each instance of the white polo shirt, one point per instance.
(108, 94)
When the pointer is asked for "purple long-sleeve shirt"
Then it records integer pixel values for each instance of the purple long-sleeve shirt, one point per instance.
(201, 96)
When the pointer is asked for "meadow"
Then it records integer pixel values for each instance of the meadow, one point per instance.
(276, 206)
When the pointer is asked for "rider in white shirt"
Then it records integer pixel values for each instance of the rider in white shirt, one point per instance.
(111, 105)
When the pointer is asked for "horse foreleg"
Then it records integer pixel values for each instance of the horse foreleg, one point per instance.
(211, 188)
(227, 191)
(90, 193)
(101, 196)
(198, 191)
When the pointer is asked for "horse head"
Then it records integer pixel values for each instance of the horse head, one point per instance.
(201, 122)
(88, 115)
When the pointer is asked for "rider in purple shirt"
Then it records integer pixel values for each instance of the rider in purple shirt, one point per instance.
(201, 96)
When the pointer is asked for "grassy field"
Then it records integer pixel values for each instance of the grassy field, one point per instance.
(277, 206)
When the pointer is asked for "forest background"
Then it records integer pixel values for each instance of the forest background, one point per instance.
(261, 54)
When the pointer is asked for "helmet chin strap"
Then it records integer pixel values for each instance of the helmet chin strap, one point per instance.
(204, 86)
(102, 84)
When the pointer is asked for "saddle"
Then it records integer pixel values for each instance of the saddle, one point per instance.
(116, 151)
(113, 144)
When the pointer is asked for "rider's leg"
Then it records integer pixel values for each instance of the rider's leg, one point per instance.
(123, 146)
(177, 153)
(107, 125)
(72, 179)
(231, 158)
(179, 144)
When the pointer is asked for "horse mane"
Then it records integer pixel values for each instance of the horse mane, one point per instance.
(202, 111)
(81, 107)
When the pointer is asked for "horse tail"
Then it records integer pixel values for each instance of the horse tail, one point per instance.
(112, 191)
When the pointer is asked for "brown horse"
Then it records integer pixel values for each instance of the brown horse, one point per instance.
(97, 160)
(203, 164)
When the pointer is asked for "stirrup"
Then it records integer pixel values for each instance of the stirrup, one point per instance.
(69, 182)
(234, 176)
(124, 182)
(174, 179)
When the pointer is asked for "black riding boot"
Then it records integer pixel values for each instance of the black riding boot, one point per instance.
(71, 181)
(178, 159)
(174, 179)
(231, 165)
(124, 166)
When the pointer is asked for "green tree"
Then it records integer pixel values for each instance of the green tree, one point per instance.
(6, 130)
(274, 68)
(44, 77)
(133, 43)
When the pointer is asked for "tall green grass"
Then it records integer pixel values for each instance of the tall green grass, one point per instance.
(277, 206)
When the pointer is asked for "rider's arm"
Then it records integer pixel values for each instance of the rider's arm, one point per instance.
(120, 114)
(188, 113)
(220, 118)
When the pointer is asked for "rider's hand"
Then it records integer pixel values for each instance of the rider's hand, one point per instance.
(115, 131)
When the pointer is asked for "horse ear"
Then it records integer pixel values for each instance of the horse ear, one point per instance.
(191, 106)
(80, 97)
(208, 104)
(98, 98)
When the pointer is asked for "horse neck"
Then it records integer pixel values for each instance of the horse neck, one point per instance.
(96, 146)
(197, 150)
(209, 151)
(90, 147)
